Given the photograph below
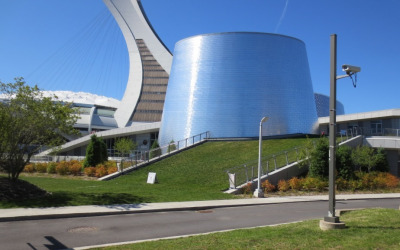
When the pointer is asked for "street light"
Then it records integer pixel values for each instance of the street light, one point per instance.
(332, 221)
(259, 192)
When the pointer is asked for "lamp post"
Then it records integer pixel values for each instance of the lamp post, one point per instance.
(259, 192)
(332, 221)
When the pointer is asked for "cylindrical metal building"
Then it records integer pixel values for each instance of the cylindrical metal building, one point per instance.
(226, 82)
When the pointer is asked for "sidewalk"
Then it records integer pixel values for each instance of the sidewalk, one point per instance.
(17, 214)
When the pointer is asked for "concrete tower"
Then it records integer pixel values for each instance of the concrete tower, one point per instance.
(149, 65)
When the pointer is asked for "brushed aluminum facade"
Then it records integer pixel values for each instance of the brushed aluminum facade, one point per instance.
(322, 104)
(226, 82)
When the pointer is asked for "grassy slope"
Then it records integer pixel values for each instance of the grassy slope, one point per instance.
(196, 174)
(366, 229)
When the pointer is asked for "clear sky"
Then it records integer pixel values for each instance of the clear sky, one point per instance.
(76, 44)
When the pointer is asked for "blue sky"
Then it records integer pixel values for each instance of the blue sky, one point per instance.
(76, 45)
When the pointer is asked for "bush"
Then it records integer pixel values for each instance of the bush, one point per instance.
(30, 168)
(155, 150)
(295, 183)
(171, 146)
(247, 189)
(41, 167)
(283, 185)
(268, 187)
(319, 162)
(344, 163)
(381, 163)
(101, 171)
(111, 169)
(96, 152)
(311, 183)
(62, 168)
(391, 181)
(51, 168)
(75, 169)
(90, 171)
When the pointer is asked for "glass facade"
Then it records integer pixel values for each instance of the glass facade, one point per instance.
(226, 82)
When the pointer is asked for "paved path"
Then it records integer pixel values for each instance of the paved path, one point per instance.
(159, 220)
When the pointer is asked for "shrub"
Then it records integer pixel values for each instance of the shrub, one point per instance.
(96, 152)
(268, 187)
(62, 168)
(342, 184)
(90, 171)
(295, 183)
(247, 189)
(310, 183)
(101, 171)
(171, 146)
(155, 150)
(75, 169)
(283, 185)
(344, 163)
(41, 167)
(112, 169)
(381, 163)
(319, 162)
(51, 168)
(30, 168)
(379, 180)
(391, 181)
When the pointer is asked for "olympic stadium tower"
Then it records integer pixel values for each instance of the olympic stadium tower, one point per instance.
(225, 83)
(149, 65)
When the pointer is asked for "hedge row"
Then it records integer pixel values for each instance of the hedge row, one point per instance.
(364, 181)
(73, 167)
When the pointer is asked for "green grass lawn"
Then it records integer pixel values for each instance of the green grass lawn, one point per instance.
(366, 229)
(195, 174)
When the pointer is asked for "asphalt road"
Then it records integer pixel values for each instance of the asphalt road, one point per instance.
(86, 231)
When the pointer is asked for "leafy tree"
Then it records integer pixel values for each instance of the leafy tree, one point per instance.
(96, 152)
(381, 163)
(319, 162)
(344, 163)
(28, 121)
(368, 159)
(155, 150)
(124, 146)
(304, 154)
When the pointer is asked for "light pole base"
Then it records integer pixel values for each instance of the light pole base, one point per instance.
(329, 223)
(258, 193)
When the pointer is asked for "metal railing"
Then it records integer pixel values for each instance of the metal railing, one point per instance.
(138, 156)
(349, 133)
(146, 156)
(249, 171)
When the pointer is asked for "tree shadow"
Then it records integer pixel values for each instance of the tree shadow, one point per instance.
(58, 199)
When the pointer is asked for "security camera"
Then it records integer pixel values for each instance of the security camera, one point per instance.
(349, 69)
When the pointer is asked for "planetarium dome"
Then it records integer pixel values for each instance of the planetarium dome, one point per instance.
(225, 83)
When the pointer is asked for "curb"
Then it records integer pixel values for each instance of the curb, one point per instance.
(21, 214)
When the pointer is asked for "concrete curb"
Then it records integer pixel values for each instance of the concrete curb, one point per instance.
(20, 214)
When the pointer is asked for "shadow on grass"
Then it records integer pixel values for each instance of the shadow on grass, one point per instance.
(58, 199)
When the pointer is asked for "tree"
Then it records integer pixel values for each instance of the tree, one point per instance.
(344, 163)
(369, 159)
(28, 121)
(319, 162)
(155, 150)
(124, 146)
(96, 152)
